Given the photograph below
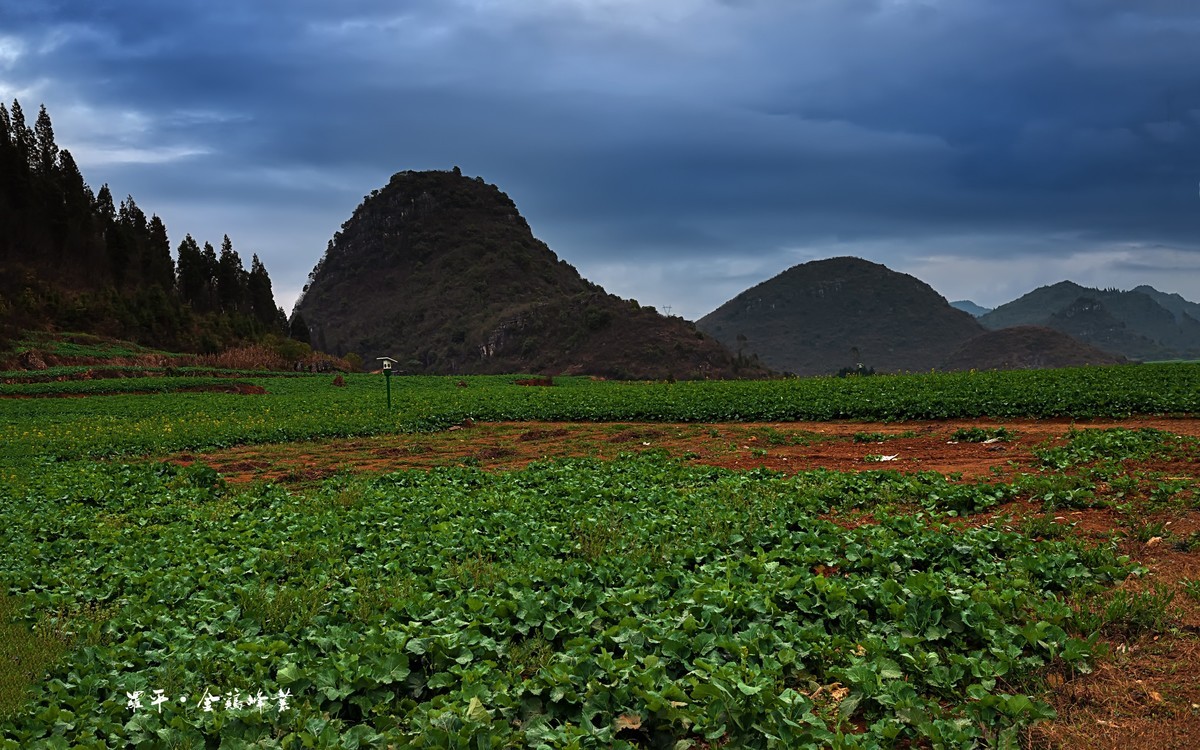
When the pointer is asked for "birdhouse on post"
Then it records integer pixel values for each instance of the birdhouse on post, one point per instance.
(387, 377)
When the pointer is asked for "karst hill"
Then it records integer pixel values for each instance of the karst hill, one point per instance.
(839, 314)
(1142, 323)
(441, 272)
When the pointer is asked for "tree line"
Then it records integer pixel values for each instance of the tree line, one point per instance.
(75, 260)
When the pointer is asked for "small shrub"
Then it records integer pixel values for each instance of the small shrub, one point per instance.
(1189, 542)
(1045, 527)
(1129, 614)
(1191, 588)
(869, 437)
(982, 435)
(253, 357)
(1144, 531)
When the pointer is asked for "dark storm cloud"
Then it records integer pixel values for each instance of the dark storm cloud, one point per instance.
(694, 134)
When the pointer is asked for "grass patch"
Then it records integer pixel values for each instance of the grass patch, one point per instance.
(28, 653)
(982, 435)
(1129, 614)
(1191, 588)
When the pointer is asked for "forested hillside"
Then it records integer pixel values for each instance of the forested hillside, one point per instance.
(73, 259)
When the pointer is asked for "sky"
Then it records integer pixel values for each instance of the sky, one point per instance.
(675, 151)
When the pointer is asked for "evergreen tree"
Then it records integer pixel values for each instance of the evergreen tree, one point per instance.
(191, 273)
(5, 127)
(15, 193)
(111, 265)
(159, 268)
(9, 188)
(209, 255)
(262, 298)
(126, 240)
(78, 241)
(131, 216)
(298, 329)
(47, 149)
(22, 135)
(231, 279)
(76, 195)
(104, 204)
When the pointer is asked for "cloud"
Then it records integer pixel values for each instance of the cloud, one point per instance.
(11, 50)
(673, 149)
(106, 156)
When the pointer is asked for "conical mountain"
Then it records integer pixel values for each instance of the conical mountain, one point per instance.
(828, 315)
(442, 273)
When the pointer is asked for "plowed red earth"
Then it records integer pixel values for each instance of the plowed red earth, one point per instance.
(788, 447)
(1144, 694)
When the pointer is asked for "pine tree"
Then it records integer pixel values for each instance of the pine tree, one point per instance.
(5, 127)
(209, 255)
(231, 279)
(47, 149)
(76, 195)
(15, 192)
(191, 274)
(262, 298)
(298, 329)
(9, 184)
(22, 135)
(104, 203)
(79, 242)
(126, 240)
(158, 267)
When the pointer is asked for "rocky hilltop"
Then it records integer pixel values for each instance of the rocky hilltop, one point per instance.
(442, 273)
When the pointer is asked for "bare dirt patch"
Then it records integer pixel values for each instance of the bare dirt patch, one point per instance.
(788, 447)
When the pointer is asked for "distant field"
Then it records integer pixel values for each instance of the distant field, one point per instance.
(626, 592)
(299, 408)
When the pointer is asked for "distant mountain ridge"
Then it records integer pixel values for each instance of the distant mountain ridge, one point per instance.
(1142, 324)
(442, 273)
(838, 314)
(970, 307)
(1173, 302)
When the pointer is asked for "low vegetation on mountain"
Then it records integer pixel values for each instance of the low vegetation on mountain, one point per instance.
(441, 272)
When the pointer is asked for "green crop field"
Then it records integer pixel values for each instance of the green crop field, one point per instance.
(300, 408)
(647, 601)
